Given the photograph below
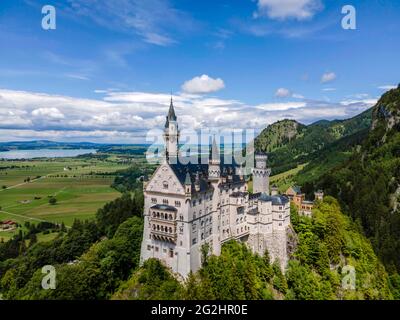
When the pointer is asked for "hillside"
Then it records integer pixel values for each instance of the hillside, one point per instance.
(290, 144)
(329, 246)
(368, 184)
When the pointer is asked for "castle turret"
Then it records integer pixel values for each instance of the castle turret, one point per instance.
(261, 174)
(319, 195)
(214, 169)
(188, 185)
(274, 190)
(171, 135)
(197, 182)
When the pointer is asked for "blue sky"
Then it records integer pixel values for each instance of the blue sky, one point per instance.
(106, 73)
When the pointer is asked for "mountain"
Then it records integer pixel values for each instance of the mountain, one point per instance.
(290, 143)
(368, 183)
(41, 144)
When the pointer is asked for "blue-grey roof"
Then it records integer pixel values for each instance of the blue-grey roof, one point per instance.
(171, 112)
(163, 207)
(297, 189)
(185, 171)
(276, 200)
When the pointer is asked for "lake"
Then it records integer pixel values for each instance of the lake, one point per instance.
(44, 153)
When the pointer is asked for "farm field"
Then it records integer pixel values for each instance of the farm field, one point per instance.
(81, 187)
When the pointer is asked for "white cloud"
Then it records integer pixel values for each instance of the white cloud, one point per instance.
(152, 20)
(281, 106)
(53, 113)
(328, 77)
(329, 89)
(285, 93)
(284, 9)
(126, 117)
(387, 87)
(282, 93)
(77, 76)
(298, 96)
(203, 84)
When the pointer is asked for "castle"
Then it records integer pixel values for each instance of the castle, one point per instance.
(190, 205)
(298, 198)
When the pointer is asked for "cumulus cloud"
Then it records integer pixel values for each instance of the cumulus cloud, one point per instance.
(285, 93)
(52, 113)
(282, 93)
(328, 77)
(284, 9)
(127, 117)
(203, 84)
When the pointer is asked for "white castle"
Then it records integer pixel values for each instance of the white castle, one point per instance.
(190, 205)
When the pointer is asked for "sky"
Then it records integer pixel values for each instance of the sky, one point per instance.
(107, 71)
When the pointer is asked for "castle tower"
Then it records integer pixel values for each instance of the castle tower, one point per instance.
(319, 195)
(261, 174)
(274, 190)
(214, 169)
(171, 135)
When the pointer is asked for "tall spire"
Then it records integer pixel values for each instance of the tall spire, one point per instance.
(215, 151)
(171, 112)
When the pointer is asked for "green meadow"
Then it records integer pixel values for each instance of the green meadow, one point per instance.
(81, 187)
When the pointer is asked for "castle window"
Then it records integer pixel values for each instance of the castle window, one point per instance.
(194, 226)
(202, 236)
(156, 249)
(158, 228)
(181, 217)
(153, 200)
(170, 217)
(170, 230)
(165, 201)
(149, 247)
(194, 216)
(177, 203)
(158, 214)
(165, 185)
(171, 253)
(194, 241)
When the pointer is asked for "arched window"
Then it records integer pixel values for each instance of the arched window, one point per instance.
(165, 185)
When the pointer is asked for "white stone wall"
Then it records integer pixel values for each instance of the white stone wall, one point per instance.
(217, 218)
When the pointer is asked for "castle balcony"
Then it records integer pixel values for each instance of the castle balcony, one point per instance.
(162, 236)
(163, 233)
